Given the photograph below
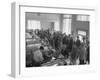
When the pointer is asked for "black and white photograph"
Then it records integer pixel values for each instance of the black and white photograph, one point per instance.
(54, 39)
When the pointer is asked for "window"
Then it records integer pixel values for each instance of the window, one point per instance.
(56, 28)
(83, 18)
(67, 16)
(67, 24)
(33, 24)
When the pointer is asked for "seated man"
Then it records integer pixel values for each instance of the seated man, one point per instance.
(38, 57)
(47, 54)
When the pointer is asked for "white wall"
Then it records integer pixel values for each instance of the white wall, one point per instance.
(5, 39)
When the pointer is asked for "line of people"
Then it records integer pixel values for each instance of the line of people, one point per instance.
(58, 46)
